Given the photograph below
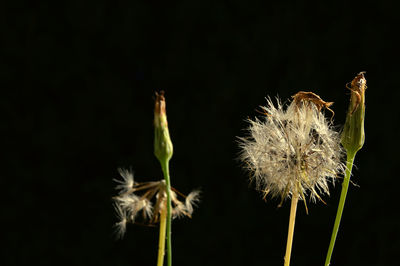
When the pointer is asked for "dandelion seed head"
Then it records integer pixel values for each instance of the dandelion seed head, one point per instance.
(149, 199)
(292, 151)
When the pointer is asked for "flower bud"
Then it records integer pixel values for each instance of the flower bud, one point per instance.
(163, 149)
(353, 136)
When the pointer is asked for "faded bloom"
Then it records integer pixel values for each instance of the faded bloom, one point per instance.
(135, 198)
(353, 132)
(293, 152)
(163, 148)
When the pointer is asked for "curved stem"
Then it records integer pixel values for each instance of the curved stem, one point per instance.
(345, 187)
(165, 169)
(161, 241)
(292, 218)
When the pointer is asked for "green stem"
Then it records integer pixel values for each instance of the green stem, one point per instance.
(345, 187)
(165, 169)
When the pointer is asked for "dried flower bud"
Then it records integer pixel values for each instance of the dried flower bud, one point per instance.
(353, 136)
(163, 148)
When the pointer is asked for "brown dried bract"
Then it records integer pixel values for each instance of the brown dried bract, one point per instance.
(308, 96)
(358, 86)
(160, 103)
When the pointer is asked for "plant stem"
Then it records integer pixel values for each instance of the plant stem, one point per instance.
(161, 241)
(165, 169)
(293, 208)
(345, 187)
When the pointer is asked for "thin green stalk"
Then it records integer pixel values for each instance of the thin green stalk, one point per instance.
(161, 242)
(345, 187)
(165, 169)
(292, 219)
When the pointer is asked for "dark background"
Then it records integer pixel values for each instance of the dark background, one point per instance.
(78, 81)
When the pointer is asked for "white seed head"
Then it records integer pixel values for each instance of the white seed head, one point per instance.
(134, 198)
(293, 151)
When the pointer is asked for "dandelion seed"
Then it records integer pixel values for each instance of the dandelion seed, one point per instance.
(147, 209)
(127, 181)
(191, 200)
(120, 227)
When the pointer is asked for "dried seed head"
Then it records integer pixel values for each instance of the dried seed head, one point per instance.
(293, 151)
(135, 198)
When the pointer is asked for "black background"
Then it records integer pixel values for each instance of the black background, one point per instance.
(78, 81)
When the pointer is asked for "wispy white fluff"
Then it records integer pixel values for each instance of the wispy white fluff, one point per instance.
(191, 200)
(127, 181)
(292, 151)
(184, 208)
(133, 204)
(120, 226)
(135, 198)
